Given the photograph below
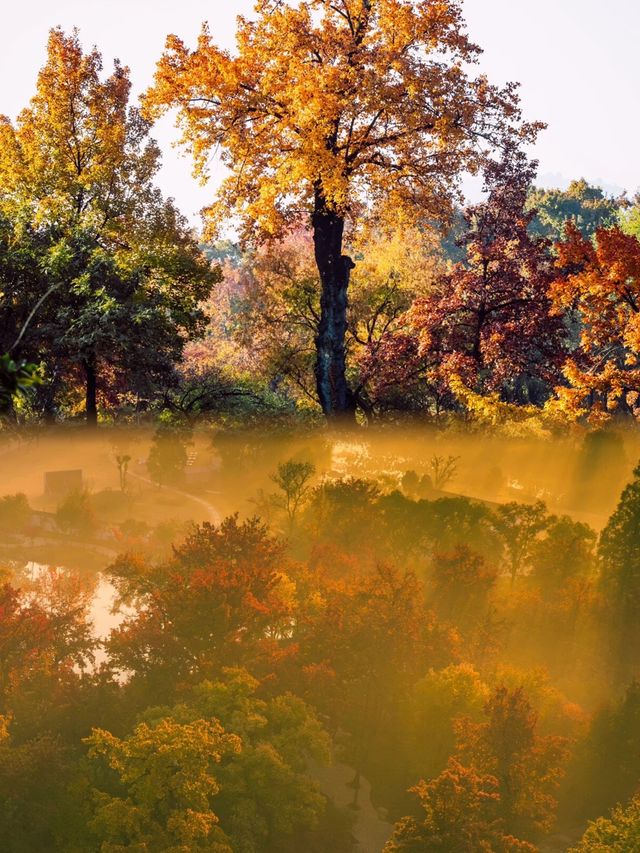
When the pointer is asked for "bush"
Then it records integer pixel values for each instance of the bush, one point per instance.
(76, 514)
(15, 512)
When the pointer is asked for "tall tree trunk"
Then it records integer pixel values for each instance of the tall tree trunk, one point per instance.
(91, 381)
(335, 397)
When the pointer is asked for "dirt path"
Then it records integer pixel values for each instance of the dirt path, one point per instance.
(213, 514)
(369, 829)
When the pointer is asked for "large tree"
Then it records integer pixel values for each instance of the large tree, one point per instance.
(265, 318)
(84, 224)
(334, 110)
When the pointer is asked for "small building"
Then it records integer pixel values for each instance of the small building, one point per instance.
(43, 522)
(58, 484)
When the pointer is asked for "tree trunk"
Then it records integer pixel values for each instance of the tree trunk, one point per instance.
(91, 403)
(334, 394)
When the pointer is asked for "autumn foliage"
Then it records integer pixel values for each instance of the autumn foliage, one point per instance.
(464, 648)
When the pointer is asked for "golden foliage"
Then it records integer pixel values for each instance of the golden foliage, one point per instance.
(364, 102)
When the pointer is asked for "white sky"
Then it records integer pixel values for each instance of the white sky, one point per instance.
(578, 62)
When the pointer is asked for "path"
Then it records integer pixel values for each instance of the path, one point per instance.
(214, 515)
(369, 829)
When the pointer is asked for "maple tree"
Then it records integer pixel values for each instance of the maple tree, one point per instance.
(487, 322)
(526, 765)
(213, 604)
(115, 261)
(331, 110)
(599, 280)
(42, 633)
(460, 813)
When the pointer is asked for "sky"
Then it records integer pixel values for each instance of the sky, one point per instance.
(577, 62)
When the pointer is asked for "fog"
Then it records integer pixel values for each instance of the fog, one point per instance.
(450, 566)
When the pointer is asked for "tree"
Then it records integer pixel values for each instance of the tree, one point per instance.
(292, 478)
(518, 526)
(16, 378)
(461, 582)
(76, 514)
(168, 456)
(222, 770)
(355, 635)
(19, 262)
(443, 470)
(215, 603)
(452, 522)
(565, 554)
(168, 775)
(629, 217)
(266, 791)
(460, 815)
(117, 260)
(38, 810)
(396, 264)
(526, 765)
(584, 205)
(599, 280)
(619, 554)
(619, 549)
(433, 705)
(619, 833)
(343, 513)
(487, 321)
(270, 315)
(265, 316)
(332, 110)
(45, 638)
(15, 513)
(606, 765)
(122, 461)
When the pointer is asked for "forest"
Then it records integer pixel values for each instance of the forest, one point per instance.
(319, 524)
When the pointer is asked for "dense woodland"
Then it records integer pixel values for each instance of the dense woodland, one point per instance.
(465, 646)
